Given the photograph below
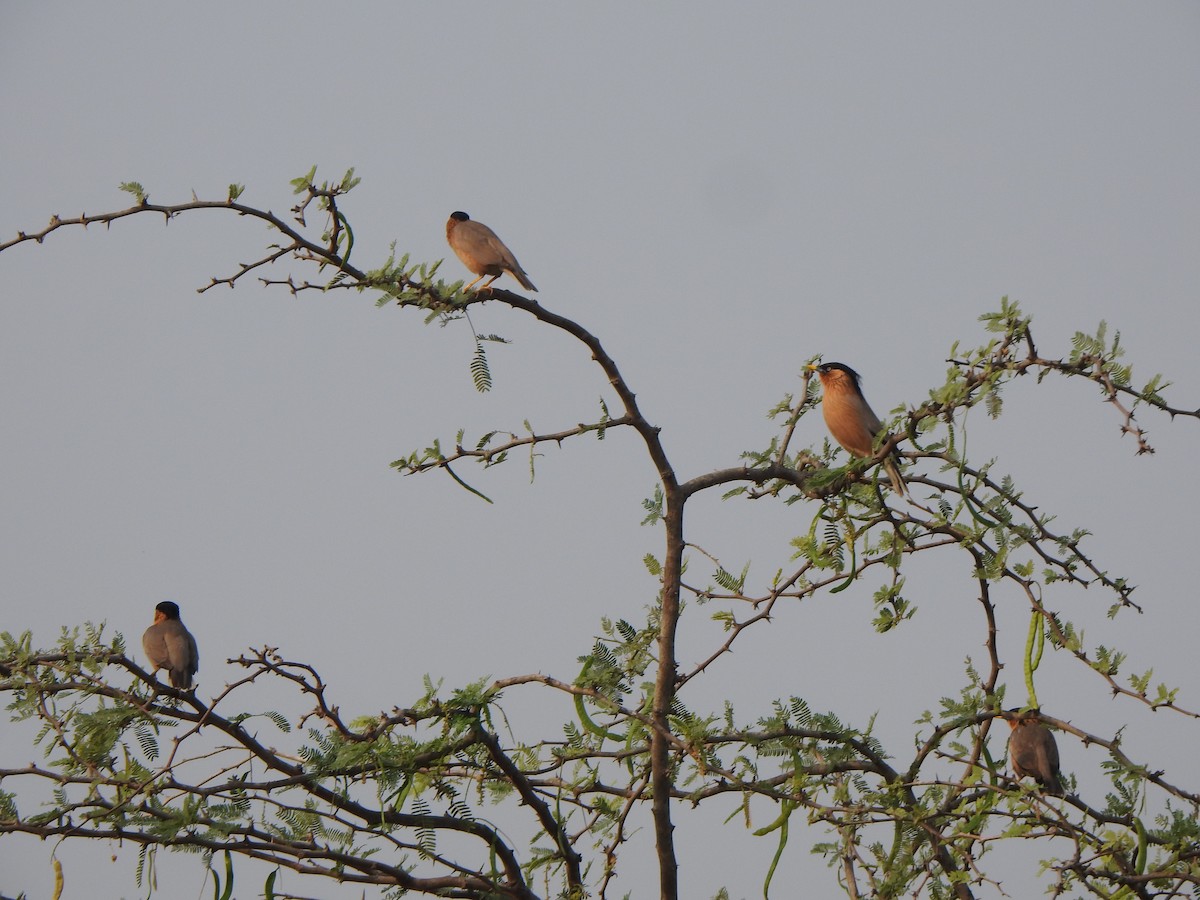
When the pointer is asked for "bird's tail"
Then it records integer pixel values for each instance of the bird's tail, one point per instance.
(181, 680)
(893, 470)
(519, 274)
(1054, 785)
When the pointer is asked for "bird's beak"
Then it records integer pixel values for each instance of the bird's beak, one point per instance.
(1007, 718)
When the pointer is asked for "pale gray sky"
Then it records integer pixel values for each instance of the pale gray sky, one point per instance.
(718, 194)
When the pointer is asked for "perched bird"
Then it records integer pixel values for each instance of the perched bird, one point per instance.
(1032, 751)
(170, 646)
(482, 252)
(850, 420)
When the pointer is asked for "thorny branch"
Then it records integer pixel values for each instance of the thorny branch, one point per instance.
(367, 788)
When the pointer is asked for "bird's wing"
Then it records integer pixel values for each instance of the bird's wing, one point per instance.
(507, 260)
(479, 242)
(1048, 758)
(874, 425)
(489, 247)
(180, 647)
(1048, 762)
(194, 652)
(1022, 756)
(1051, 749)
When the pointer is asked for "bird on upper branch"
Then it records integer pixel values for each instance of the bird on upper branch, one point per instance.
(482, 252)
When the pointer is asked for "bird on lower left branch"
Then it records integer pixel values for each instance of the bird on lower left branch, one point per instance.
(851, 420)
(170, 646)
(482, 252)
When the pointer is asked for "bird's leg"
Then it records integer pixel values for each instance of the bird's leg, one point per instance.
(476, 281)
(489, 284)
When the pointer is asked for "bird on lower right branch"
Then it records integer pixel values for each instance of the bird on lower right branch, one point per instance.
(482, 252)
(1032, 750)
(851, 420)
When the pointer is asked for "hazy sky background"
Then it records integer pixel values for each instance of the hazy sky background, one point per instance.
(718, 193)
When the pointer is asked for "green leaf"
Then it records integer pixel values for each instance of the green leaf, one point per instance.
(653, 566)
(480, 372)
(139, 192)
(301, 184)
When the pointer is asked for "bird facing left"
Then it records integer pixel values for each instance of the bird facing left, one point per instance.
(169, 645)
(482, 252)
(851, 420)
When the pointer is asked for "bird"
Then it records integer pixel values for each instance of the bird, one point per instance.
(1032, 751)
(482, 252)
(170, 646)
(851, 420)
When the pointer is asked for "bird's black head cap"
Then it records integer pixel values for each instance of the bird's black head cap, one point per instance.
(459, 216)
(838, 367)
(826, 368)
(1021, 714)
(169, 608)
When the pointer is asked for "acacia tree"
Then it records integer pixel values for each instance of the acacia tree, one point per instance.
(440, 798)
